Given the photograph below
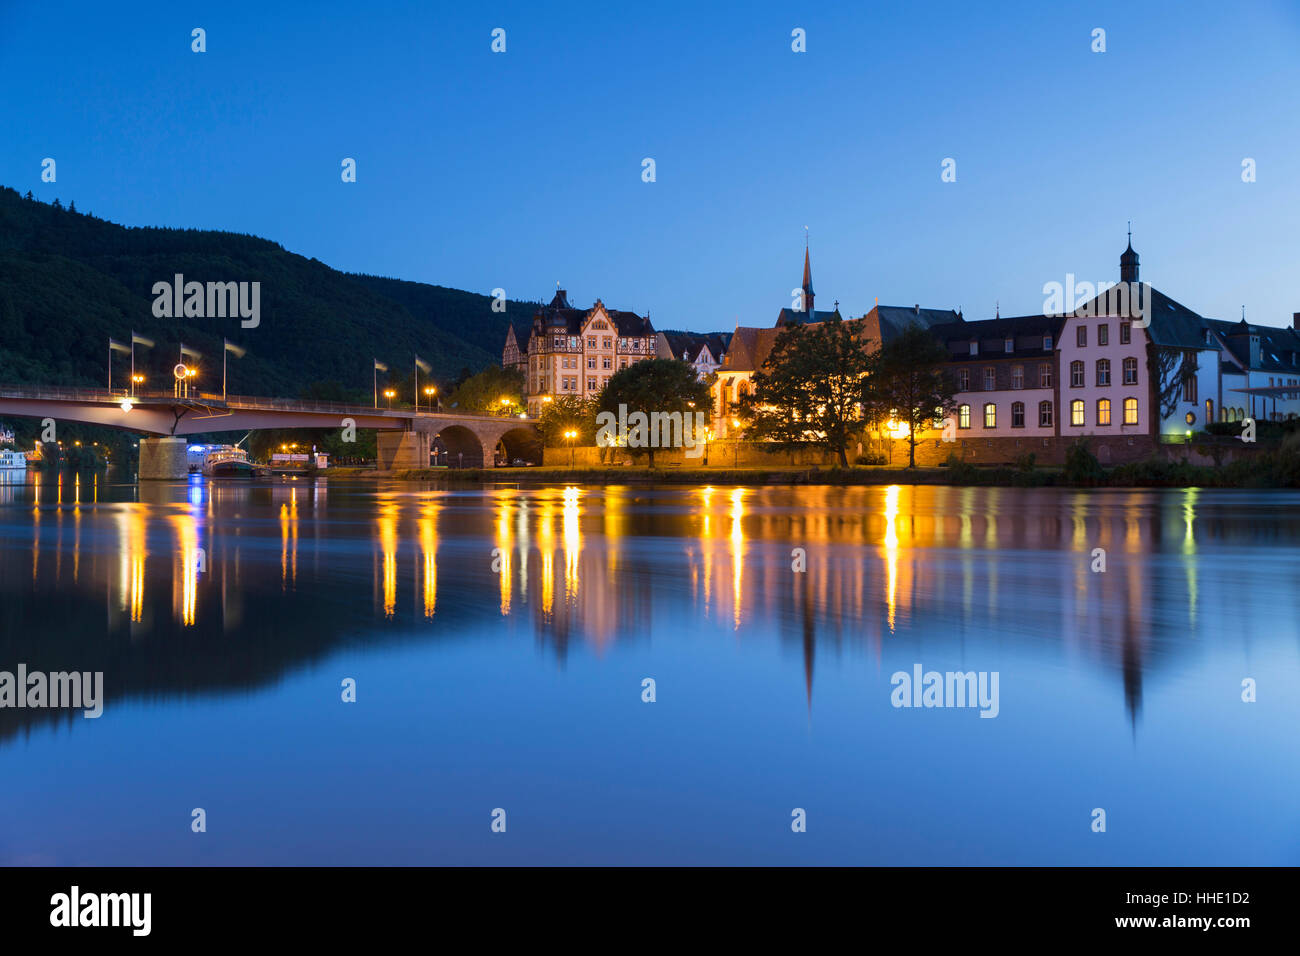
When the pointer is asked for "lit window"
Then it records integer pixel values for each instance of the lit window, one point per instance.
(990, 415)
(1130, 411)
(1076, 412)
(1103, 411)
(963, 416)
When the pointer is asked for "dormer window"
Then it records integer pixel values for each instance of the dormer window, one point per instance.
(974, 348)
(1009, 345)
(1047, 343)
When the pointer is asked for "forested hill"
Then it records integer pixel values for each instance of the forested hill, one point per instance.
(69, 281)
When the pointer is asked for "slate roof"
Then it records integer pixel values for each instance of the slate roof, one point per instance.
(689, 344)
(895, 318)
(806, 317)
(559, 317)
(1027, 331)
(1279, 348)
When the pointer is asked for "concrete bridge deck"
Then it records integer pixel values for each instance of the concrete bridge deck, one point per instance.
(404, 438)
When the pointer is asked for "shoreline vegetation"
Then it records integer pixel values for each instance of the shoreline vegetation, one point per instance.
(1269, 470)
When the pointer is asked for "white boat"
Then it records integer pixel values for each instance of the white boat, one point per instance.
(12, 461)
(228, 461)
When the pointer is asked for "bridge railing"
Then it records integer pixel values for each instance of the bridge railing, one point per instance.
(76, 394)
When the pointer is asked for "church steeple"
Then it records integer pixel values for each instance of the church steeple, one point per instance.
(1128, 261)
(807, 278)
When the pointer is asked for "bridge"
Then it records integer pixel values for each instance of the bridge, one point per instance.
(405, 436)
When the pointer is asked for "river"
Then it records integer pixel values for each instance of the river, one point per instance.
(500, 640)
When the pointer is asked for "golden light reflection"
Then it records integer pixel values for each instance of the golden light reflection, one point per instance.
(1189, 551)
(386, 525)
(428, 525)
(572, 543)
(737, 552)
(289, 539)
(131, 555)
(546, 545)
(185, 586)
(891, 554)
(504, 549)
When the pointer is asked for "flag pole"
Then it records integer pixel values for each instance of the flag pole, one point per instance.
(417, 386)
(224, 350)
(110, 366)
(374, 371)
(133, 361)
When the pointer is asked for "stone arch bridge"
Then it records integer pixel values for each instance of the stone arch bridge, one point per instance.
(405, 436)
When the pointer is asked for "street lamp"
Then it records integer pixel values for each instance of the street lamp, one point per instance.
(431, 392)
(388, 394)
(136, 379)
(569, 436)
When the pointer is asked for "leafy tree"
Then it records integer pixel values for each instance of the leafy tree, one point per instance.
(812, 390)
(482, 394)
(666, 386)
(568, 413)
(911, 382)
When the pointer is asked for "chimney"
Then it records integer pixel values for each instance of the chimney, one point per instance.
(917, 308)
(1295, 320)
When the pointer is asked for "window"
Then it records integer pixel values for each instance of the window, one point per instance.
(1130, 371)
(591, 361)
(963, 416)
(573, 341)
(607, 343)
(1125, 333)
(990, 415)
(1017, 376)
(1076, 373)
(1103, 335)
(1044, 414)
(591, 341)
(1009, 344)
(591, 384)
(559, 341)
(1103, 371)
(990, 379)
(1130, 411)
(1103, 411)
(622, 363)
(622, 343)
(1047, 343)
(938, 416)
(1190, 418)
(1081, 336)
(1076, 412)
(606, 362)
(1017, 414)
(963, 380)
(974, 348)
(1189, 388)
(1045, 375)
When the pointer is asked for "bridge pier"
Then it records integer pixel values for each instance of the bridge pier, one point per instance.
(399, 451)
(163, 459)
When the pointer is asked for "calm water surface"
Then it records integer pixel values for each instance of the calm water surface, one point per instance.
(499, 636)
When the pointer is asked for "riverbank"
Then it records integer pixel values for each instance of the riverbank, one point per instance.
(1270, 471)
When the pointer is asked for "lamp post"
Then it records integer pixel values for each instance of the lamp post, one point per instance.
(388, 394)
(569, 436)
(431, 393)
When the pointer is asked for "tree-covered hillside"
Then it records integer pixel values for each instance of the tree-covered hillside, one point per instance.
(69, 281)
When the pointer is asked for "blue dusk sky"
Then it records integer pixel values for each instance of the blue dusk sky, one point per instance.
(479, 170)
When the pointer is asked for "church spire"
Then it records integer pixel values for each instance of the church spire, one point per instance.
(807, 276)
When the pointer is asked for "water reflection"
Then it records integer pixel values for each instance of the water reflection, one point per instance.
(981, 569)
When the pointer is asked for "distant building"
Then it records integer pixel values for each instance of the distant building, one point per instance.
(704, 351)
(515, 354)
(573, 352)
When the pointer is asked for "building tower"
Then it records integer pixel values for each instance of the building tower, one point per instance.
(1128, 262)
(807, 281)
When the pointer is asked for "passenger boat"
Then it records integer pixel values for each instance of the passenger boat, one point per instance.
(228, 462)
(12, 462)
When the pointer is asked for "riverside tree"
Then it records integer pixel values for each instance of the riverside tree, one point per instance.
(814, 388)
(657, 387)
(911, 383)
(568, 413)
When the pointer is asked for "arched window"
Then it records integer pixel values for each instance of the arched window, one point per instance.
(963, 416)
(1130, 411)
(990, 415)
(1076, 372)
(1103, 371)
(1130, 371)
(1044, 414)
(1103, 411)
(1076, 410)
(1017, 414)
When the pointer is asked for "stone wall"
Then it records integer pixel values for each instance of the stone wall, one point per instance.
(163, 459)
